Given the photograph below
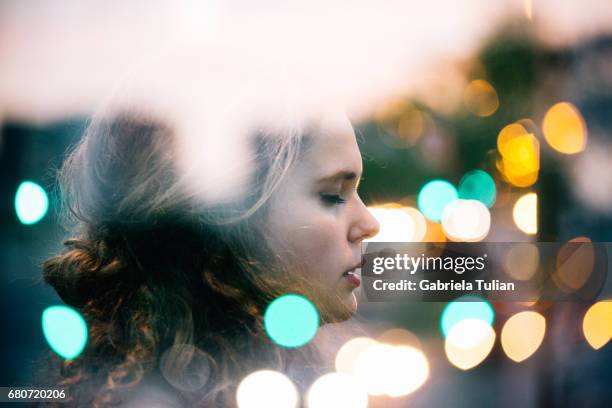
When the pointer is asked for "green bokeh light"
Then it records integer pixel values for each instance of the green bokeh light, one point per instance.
(465, 307)
(65, 331)
(478, 185)
(291, 321)
(31, 203)
(434, 197)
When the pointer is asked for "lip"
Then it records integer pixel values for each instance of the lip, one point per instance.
(351, 277)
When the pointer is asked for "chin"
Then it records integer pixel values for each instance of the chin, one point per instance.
(341, 308)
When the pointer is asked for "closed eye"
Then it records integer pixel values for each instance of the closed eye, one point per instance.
(332, 199)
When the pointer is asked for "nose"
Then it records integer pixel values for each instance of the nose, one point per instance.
(363, 225)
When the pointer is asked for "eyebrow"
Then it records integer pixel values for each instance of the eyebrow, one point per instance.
(345, 175)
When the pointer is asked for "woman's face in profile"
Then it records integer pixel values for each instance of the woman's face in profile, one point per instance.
(316, 218)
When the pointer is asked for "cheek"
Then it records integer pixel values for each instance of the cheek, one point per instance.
(315, 240)
(320, 249)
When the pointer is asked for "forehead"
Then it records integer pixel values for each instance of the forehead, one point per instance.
(333, 148)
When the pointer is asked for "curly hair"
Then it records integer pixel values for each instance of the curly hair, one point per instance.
(164, 282)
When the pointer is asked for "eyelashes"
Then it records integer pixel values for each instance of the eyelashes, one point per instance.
(332, 199)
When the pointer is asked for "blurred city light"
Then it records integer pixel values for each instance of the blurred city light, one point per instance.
(480, 98)
(564, 128)
(466, 220)
(399, 337)
(597, 324)
(469, 342)
(522, 260)
(31, 203)
(291, 321)
(420, 223)
(478, 185)
(435, 232)
(522, 335)
(525, 213)
(574, 264)
(383, 369)
(267, 388)
(336, 390)
(465, 307)
(520, 155)
(434, 197)
(591, 176)
(396, 225)
(349, 353)
(404, 123)
(65, 331)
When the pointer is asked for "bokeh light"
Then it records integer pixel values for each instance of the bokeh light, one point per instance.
(478, 185)
(480, 98)
(465, 307)
(420, 223)
(336, 390)
(404, 124)
(594, 192)
(396, 225)
(434, 197)
(574, 264)
(525, 213)
(564, 128)
(522, 335)
(435, 232)
(65, 331)
(468, 343)
(349, 353)
(522, 260)
(597, 324)
(399, 337)
(31, 203)
(466, 220)
(520, 155)
(267, 388)
(291, 321)
(383, 369)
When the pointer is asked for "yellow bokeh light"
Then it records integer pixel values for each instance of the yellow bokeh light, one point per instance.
(597, 324)
(434, 233)
(520, 155)
(525, 213)
(507, 134)
(522, 335)
(564, 128)
(469, 342)
(480, 98)
(410, 127)
(267, 388)
(403, 122)
(336, 390)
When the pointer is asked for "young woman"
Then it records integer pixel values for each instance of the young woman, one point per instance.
(173, 289)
